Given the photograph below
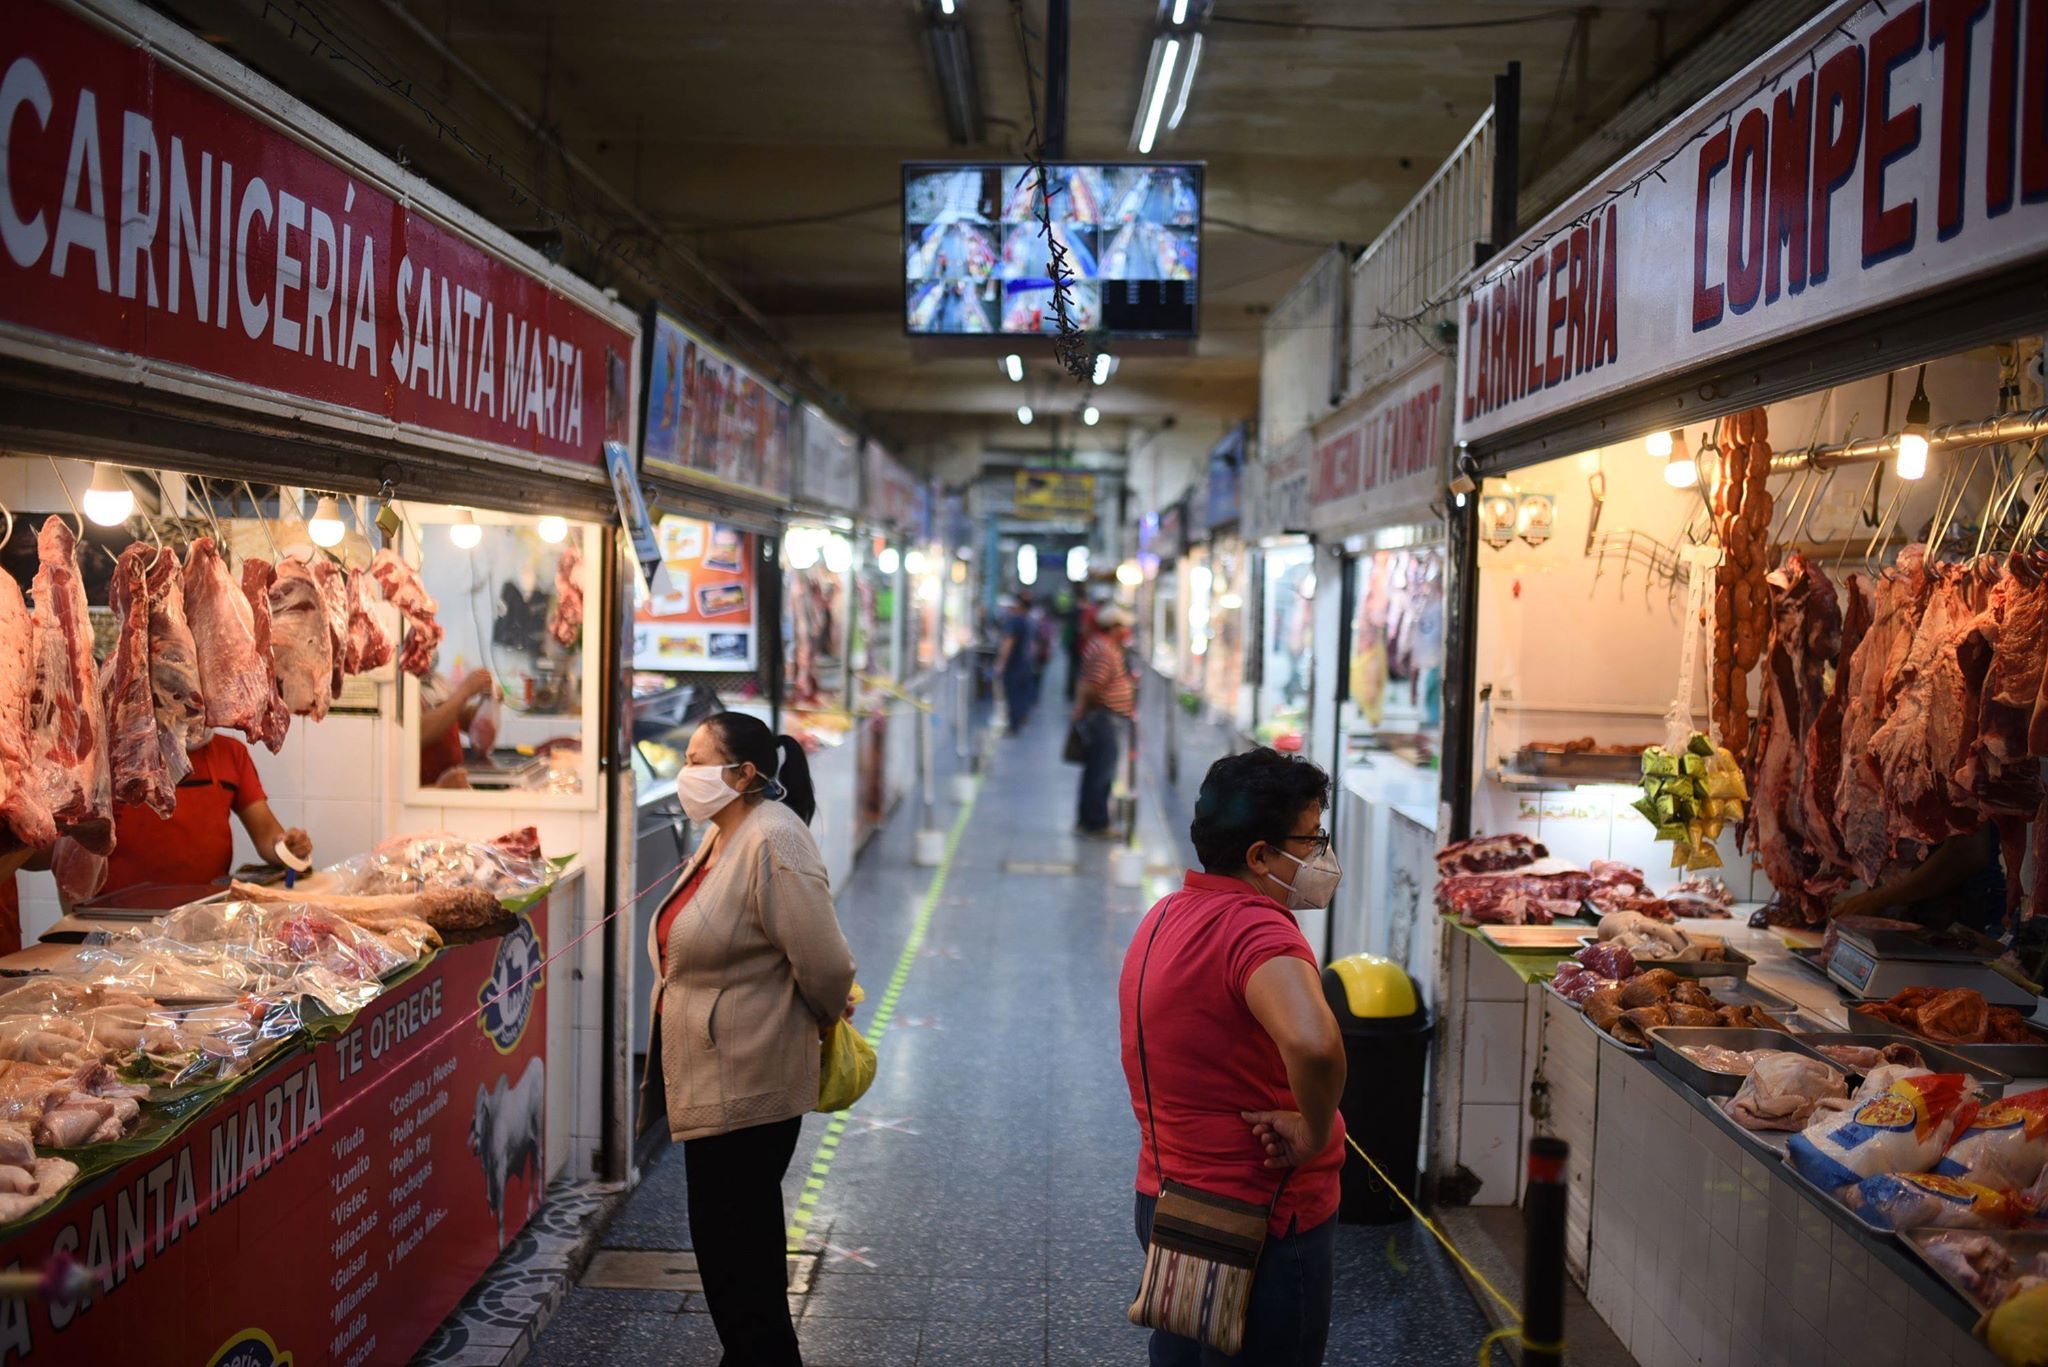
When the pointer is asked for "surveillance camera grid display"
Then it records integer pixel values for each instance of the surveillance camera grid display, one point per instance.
(976, 260)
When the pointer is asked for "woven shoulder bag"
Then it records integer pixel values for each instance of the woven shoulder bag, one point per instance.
(1204, 1249)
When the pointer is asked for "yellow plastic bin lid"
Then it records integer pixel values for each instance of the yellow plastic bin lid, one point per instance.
(1375, 988)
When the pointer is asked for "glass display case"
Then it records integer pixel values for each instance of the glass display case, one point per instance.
(1286, 633)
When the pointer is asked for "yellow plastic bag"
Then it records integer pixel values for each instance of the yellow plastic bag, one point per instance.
(846, 1064)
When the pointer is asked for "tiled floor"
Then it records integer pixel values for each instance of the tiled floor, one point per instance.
(978, 1208)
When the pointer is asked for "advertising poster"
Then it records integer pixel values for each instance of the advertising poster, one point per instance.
(1055, 494)
(708, 414)
(705, 617)
(334, 1207)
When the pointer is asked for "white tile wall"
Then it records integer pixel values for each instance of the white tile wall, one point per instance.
(1490, 1146)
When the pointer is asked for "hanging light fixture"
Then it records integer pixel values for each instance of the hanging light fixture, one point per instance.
(888, 560)
(553, 529)
(1077, 564)
(1105, 366)
(464, 532)
(1681, 471)
(325, 527)
(838, 553)
(1658, 444)
(1024, 414)
(1091, 415)
(1129, 575)
(800, 548)
(1027, 564)
(915, 562)
(1911, 462)
(1013, 366)
(109, 501)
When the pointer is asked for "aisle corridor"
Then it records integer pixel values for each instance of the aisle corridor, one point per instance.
(976, 1208)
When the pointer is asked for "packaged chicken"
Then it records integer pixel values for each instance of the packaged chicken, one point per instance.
(2006, 1146)
(1918, 1200)
(509, 867)
(1903, 1129)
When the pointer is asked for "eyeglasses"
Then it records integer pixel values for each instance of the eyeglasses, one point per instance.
(1318, 841)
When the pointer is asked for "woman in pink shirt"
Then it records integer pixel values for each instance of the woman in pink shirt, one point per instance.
(1236, 1093)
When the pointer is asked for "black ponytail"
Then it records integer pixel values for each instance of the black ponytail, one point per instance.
(747, 740)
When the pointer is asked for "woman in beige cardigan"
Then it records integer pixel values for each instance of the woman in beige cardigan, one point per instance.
(752, 968)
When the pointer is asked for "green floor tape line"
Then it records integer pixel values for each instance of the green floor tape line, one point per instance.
(878, 1025)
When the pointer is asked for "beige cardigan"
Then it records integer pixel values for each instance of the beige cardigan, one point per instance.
(755, 961)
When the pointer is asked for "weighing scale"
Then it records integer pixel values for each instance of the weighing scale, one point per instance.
(1878, 964)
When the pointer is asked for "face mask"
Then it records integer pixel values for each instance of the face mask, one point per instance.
(1315, 881)
(703, 791)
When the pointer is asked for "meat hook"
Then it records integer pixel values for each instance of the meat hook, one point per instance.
(7, 513)
(1819, 494)
(220, 538)
(1873, 556)
(68, 498)
(262, 521)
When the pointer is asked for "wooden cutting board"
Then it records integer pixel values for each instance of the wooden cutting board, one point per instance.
(1547, 939)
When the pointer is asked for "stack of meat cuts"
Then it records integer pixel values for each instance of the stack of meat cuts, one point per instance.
(1511, 899)
(1489, 853)
(404, 591)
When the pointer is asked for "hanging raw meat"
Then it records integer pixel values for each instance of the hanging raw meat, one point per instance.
(2000, 775)
(22, 805)
(66, 727)
(173, 657)
(1922, 739)
(1898, 604)
(404, 591)
(332, 581)
(368, 647)
(1823, 772)
(234, 673)
(1806, 636)
(276, 719)
(565, 618)
(1742, 605)
(135, 750)
(301, 641)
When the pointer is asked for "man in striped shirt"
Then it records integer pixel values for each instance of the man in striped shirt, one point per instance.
(1104, 705)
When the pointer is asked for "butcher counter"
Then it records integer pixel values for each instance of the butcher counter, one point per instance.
(1689, 1244)
(333, 1204)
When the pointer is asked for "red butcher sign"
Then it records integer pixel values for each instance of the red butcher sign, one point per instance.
(1881, 153)
(148, 214)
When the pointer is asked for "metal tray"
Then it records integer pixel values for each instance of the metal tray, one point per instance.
(1739, 994)
(1990, 1081)
(2014, 1060)
(1808, 957)
(2023, 1245)
(1579, 764)
(1599, 1034)
(1667, 1040)
(1875, 1231)
(1735, 965)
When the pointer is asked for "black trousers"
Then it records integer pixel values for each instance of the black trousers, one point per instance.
(736, 1224)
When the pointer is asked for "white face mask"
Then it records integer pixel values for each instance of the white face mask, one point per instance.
(1315, 881)
(703, 790)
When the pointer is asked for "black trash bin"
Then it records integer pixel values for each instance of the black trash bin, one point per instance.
(1386, 1043)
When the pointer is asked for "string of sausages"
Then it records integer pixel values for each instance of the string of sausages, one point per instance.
(1742, 600)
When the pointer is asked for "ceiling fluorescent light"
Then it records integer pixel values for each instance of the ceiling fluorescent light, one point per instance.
(1180, 12)
(1187, 81)
(953, 65)
(1155, 103)
(945, 6)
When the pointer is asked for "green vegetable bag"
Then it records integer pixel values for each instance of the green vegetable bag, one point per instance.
(846, 1064)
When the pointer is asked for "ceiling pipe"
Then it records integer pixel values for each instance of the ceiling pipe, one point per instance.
(2008, 427)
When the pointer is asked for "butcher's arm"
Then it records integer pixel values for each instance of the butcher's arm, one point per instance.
(265, 830)
(1954, 861)
(1285, 996)
(797, 914)
(436, 722)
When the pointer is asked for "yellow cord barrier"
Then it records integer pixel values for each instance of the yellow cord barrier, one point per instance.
(1513, 1331)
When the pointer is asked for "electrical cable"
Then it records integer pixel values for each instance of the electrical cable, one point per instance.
(1426, 26)
(1256, 231)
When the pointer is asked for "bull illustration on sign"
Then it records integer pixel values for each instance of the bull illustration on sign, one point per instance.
(505, 1136)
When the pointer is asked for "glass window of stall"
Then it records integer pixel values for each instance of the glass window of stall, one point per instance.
(1286, 633)
(1223, 675)
(1392, 688)
(817, 607)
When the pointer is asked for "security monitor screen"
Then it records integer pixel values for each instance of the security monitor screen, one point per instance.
(976, 260)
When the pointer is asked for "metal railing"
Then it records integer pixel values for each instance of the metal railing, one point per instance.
(1419, 258)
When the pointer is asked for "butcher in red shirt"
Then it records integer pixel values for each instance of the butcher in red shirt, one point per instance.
(194, 844)
(1236, 1064)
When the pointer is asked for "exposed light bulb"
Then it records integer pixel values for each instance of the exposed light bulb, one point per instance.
(1024, 414)
(800, 548)
(1027, 564)
(1013, 366)
(1460, 497)
(959, 571)
(1077, 564)
(1658, 444)
(888, 560)
(1912, 458)
(916, 562)
(1681, 471)
(838, 554)
(1091, 415)
(1104, 364)
(1129, 575)
(945, 6)
(325, 525)
(109, 501)
(464, 533)
(553, 529)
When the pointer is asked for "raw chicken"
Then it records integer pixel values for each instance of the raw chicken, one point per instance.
(23, 806)
(301, 640)
(67, 729)
(368, 647)
(1783, 1089)
(234, 673)
(1977, 1263)
(48, 1177)
(139, 759)
(276, 720)
(66, 1107)
(403, 590)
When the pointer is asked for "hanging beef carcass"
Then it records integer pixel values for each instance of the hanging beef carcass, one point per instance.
(1898, 603)
(234, 669)
(2000, 775)
(257, 576)
(1925, 730)
(368, 647)
(1823, 772)
(301, 640)
(1806, 636)
(173, 657)
(135, 749)
(66, 725)
(23, 807)
(404, 591)
(332, 581)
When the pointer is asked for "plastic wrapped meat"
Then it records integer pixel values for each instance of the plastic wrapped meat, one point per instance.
(2005, 1146)
(1715, 1059)
(1919, 1200)
(1903, 1129)
(508, 867)
(1783, 1089)
(1976, 1262)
